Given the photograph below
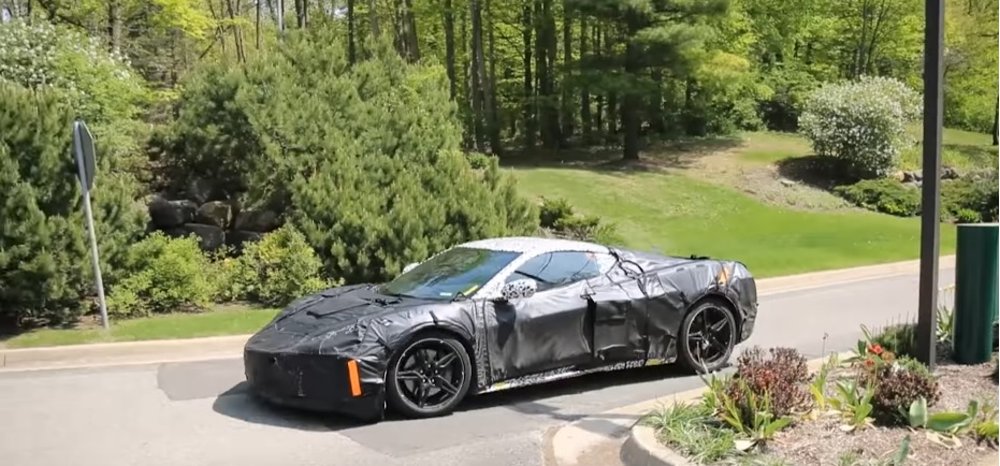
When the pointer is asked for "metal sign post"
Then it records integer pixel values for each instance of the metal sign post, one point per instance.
(83, 147)
(931, 200)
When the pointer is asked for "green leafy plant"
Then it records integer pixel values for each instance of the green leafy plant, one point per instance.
(945, 324)
(985, 425)
(854, 404)
(165, 274)
(944, 427)
(694, 431)
(882, 195)
(817, 388)
(277, 269)
(761, 424)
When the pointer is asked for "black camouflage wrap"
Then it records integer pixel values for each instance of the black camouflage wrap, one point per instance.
(628, 317)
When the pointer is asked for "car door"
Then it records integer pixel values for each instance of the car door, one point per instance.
(619, 308)
(550, 329)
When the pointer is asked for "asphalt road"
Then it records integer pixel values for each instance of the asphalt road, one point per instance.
(199, 413)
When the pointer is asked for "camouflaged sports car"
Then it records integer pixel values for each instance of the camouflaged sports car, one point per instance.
(495, 314)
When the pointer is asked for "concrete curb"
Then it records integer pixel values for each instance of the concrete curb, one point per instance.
(641, 450)
(125, 353)
(194, 349)
(571, 442)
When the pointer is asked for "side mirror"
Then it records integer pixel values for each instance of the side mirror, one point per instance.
(518, 289)
(410, 267)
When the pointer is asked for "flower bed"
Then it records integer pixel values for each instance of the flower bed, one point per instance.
(875, 407)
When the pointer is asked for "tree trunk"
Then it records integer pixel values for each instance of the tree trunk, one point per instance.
(490, 90)
(611, 112)
(256, 28)
(996, 116)
(528, 104)
(300, 13)
(630, 106)
(545, 42)
(449, 45)
(477, 70)
(567, 116)
(237, 40)
(656, 103)
(584, 91)
(468, 136)
(115, 26)
(599, 124)
(373, 20)
(410, 30)
(352, 51)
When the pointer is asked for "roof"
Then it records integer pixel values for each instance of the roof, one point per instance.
(534, 245)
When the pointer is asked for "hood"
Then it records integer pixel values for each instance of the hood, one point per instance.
(339, 307)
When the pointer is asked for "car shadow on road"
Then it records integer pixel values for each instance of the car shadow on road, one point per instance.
(238, 402)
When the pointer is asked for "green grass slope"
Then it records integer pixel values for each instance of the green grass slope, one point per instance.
(674, 214)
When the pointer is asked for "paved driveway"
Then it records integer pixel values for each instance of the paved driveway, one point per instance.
(199, 413)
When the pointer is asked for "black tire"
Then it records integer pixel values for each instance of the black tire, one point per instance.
(710, 317)
(421, 382)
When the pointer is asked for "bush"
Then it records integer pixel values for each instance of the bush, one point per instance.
(365, 159)
(896, 388)
(972, 198)
(556, 217)
(781, 111)
(779, 377)
(276, 270)
(860, 124)
(166, 274)
(45, 270)
(554, 211)
(882, 195)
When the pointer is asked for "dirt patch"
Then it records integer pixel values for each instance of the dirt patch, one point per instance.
(821, 441)
(761, 181)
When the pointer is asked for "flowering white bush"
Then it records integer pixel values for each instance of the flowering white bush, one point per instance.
(862, 123)
(100, 85)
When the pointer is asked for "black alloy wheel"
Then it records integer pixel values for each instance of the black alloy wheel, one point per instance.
(429, 377)
(708, 335)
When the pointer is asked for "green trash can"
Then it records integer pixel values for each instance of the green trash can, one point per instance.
(975, 292)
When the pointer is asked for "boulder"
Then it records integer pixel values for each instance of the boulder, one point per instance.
(201, 191)
(237, 238)
(260, 221)
(912, 176)
(169, 214)
(210, 237)
(217, 213)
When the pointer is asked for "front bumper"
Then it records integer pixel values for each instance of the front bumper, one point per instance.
(311, 382)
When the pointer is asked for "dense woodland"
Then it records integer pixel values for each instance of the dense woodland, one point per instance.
(558, 74)
(309, 143)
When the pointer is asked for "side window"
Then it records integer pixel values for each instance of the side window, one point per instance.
(555, 269)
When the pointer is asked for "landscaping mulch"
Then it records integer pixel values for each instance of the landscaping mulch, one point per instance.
(822, 442)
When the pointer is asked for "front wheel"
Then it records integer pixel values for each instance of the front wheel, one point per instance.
(429, 376)
(707, 337)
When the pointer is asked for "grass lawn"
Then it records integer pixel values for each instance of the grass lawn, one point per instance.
(226, 320)
(678, 215)
(960, 149)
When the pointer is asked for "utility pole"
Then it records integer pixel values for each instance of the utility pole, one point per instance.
(931, 200)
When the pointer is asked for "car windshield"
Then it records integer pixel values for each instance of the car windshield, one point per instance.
(457, 272)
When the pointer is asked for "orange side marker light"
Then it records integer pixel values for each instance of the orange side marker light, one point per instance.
(354, 377)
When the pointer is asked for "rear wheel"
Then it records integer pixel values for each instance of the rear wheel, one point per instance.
(707, 337)
(429, 376)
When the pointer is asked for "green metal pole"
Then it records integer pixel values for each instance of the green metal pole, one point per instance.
(975, 291)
